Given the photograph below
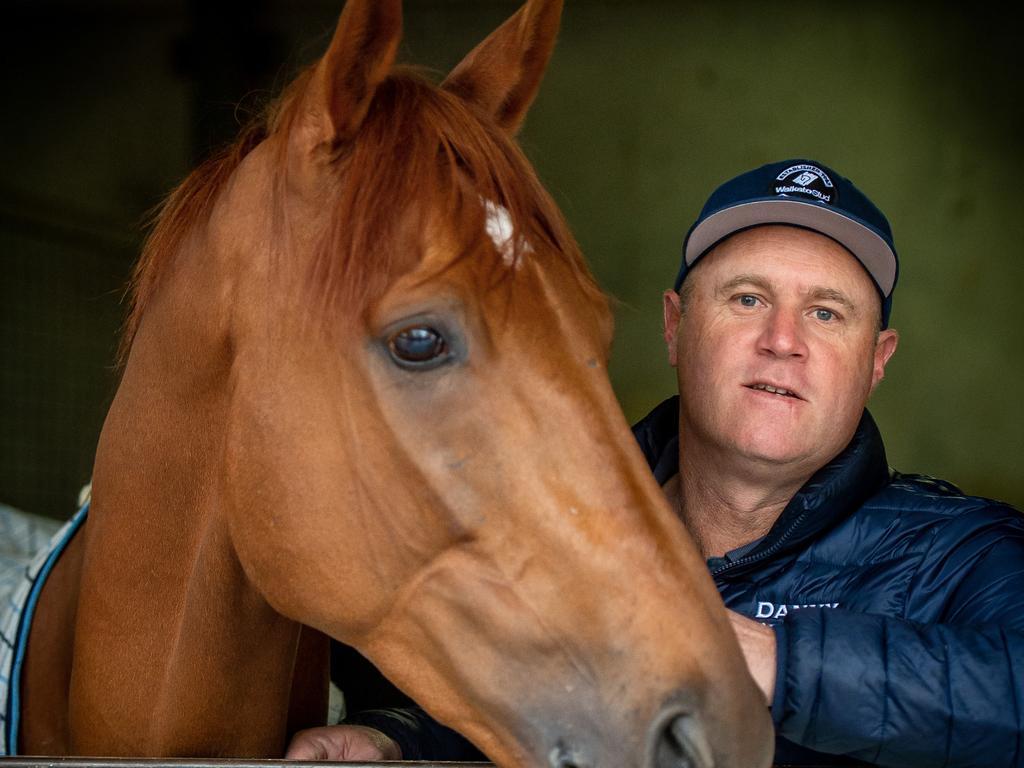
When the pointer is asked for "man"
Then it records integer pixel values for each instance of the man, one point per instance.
(882, 614)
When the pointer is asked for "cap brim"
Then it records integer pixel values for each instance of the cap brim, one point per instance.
(862, 241)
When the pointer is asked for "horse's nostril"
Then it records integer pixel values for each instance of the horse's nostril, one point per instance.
(682, 744)
(564, 757)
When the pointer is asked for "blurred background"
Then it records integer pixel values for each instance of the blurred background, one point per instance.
(646, 107)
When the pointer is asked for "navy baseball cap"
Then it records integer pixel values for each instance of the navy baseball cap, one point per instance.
(803, 193)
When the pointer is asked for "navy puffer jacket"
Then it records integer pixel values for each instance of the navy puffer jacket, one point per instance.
(898, 607)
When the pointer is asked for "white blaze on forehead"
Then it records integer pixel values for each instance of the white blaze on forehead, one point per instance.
(499, 228)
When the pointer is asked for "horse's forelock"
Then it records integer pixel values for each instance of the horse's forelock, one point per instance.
(421, 153)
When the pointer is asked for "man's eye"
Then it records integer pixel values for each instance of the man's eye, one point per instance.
(825, 315)
(746, 300)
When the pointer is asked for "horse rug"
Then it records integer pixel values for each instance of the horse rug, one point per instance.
(30, 545)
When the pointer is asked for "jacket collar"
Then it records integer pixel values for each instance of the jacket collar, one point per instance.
(832, 494)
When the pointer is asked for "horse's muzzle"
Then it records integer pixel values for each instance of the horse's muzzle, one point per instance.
(676, 740)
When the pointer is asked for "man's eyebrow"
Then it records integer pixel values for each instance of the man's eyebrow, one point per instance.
(740, 281)
(831, 294)
(817, 293)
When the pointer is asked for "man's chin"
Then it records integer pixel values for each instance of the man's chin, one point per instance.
(779, 459)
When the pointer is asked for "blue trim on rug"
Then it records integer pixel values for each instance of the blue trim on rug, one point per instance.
(25, 624)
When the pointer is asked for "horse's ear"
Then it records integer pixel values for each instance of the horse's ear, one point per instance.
(358, 59)
(503, 73)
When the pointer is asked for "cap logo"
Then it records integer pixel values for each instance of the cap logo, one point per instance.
(808, 181)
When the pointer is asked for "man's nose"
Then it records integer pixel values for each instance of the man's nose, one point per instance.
(783, 334)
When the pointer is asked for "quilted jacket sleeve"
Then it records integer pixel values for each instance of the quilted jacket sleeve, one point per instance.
(419, 736)
(895, 692)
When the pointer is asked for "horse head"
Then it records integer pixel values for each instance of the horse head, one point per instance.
(366, 392)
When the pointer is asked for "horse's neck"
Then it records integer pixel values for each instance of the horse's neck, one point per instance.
(175, 653)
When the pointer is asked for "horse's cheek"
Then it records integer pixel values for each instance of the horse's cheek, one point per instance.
(290, 499)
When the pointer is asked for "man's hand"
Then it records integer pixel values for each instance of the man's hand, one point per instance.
(342, 742)
(758, 644)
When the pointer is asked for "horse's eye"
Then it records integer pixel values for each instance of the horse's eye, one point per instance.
(418, 345)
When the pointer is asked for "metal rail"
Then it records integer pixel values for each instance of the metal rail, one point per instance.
(129, 762)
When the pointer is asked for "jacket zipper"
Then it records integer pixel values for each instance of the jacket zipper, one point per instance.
(766, 553)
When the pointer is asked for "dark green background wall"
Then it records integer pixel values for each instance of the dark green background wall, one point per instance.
(646, 106)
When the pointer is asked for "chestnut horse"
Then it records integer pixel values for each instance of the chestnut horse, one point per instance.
(365, 397)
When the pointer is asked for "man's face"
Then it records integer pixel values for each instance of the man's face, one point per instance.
(776, 351)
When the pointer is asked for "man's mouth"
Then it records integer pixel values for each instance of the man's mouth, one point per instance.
(775, 390)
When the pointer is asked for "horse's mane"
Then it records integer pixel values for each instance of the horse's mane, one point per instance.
(420, 145)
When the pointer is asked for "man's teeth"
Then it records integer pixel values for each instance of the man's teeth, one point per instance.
(773, 390)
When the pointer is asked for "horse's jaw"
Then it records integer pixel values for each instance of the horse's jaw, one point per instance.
(466, 638)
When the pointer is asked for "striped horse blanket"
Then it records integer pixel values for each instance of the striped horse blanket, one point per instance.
(29, 547)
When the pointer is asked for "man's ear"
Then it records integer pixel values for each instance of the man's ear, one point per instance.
(885, 347)
(671, 313)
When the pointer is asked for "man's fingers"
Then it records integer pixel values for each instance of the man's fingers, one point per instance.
(757, 642)
(342, 742)
(308, 745)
